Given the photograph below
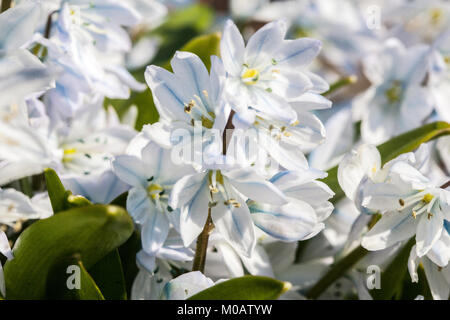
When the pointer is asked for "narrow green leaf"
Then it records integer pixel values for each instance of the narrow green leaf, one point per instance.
(392, 277)
(56, 190)
(60, 198)
(391, 149)
(245, 288)
(108, 275)
(92, 232)
(127, 253)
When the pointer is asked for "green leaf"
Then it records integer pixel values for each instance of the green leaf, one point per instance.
(56, 190)
(127, 253)
(91, 232)
(61, 276)
(245, 288)
(410, 290)
(204, 47)
(392, 277)
(60, 198)
(108, 275)
(391, 149)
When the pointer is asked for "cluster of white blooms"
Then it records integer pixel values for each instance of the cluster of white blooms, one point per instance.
(230, 180)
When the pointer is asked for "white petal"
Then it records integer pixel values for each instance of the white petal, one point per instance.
(235, 224)
(131, 170)
(139, 204)
(154, 231)
(18, 24)
(230, 259)
(186, 285)
(297, 53)
(413, 264)
(255, 187)
(439, 287)
(5, 248)
(355, 165)
(232, 48)
(185, 189)
(428, 232)
(168, 94)
(194, 212)
(264, 42)
(291, 222)
(393, 227)
(192, 72)
(259, 263)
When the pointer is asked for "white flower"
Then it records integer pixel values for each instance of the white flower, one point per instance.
(398, 99)
(410, 204)
(15, 206)
(97, 188)
(152, 177)
(224, 192)
(268, 73)
(189, 94)
(435, 264)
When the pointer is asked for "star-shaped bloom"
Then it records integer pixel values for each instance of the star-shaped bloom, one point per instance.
(267, 73)
(410, 205)
(399, 98)
(224, 193)
(152, 177)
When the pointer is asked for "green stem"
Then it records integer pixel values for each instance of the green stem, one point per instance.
(25, 187)
(336, 272)
(341, 83)
(6, 4)
(202, 245)
(202, 239)
(341, 266)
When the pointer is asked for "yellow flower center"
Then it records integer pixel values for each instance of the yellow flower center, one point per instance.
(250, 76)
(436, 15)
(427, 198)
(67, 154)
(394, 93)
(154, 190)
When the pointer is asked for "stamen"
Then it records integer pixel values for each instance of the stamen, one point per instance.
(189, 106)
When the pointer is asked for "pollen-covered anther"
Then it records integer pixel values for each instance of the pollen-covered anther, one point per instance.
(414, 214)
(212, 204)
(402, 202)
(427, 198)
(232, 202)
(213, 189)
(189, 106)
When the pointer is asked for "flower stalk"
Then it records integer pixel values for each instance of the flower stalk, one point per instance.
(6, 4)
(203, 238)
